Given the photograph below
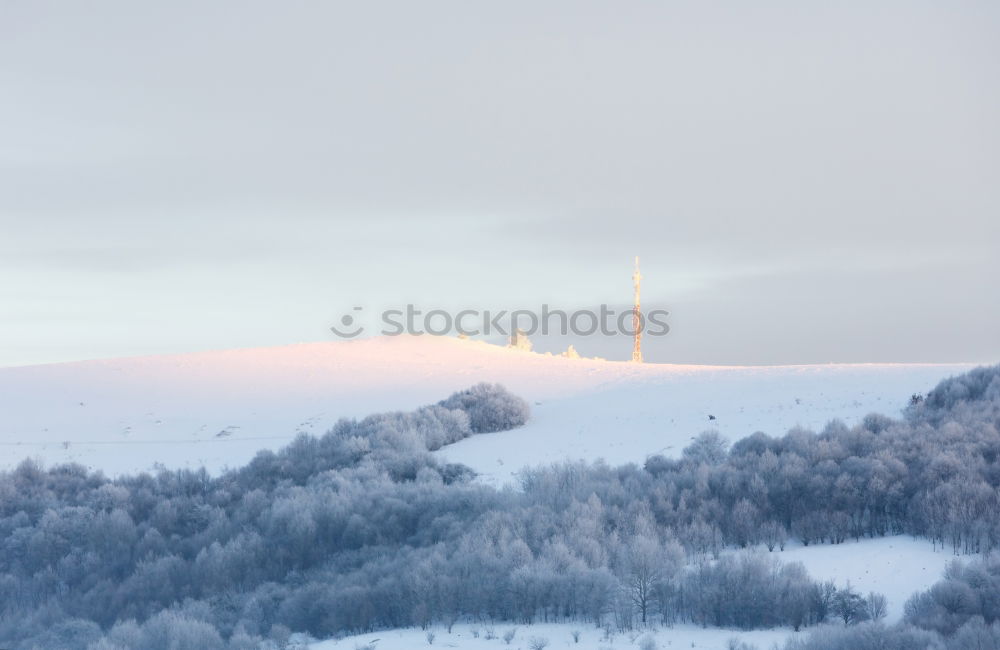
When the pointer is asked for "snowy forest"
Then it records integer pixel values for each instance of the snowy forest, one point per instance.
(363, 528)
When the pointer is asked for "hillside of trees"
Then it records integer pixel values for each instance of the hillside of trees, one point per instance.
(363, 528)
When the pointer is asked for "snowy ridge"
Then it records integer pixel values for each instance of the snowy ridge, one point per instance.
(216, 409)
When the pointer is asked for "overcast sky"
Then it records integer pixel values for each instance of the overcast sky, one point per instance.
(805, 181)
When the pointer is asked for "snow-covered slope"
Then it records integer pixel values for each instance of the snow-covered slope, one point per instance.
(218, 408)
(627, 416)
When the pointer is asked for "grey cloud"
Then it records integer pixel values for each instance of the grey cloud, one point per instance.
(505, 152)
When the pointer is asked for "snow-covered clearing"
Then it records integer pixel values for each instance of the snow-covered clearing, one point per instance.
(216, 409)
(558, 636)
(896, 567)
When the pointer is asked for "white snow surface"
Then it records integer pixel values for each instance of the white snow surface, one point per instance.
(558, 636)
(216, 409)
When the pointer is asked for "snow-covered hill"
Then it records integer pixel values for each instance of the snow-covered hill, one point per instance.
(218, 408)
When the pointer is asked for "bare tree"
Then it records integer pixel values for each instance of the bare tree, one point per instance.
(646, 564)
(876, 606)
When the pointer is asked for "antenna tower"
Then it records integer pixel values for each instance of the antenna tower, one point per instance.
(637, 316)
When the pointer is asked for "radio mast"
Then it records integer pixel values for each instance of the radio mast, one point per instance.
(636, 316)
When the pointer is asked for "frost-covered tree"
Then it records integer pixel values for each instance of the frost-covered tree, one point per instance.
(490, 408)
(709, 448)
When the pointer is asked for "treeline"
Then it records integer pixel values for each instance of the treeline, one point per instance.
(364, 528)
(934, 474)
